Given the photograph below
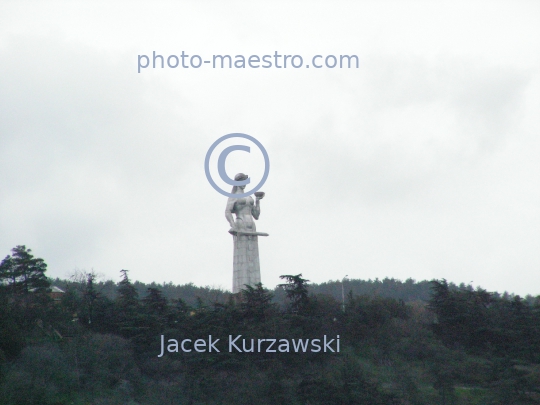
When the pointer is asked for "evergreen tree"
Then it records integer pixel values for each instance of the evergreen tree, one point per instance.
(296, 291)
(156, 308)
(90, 296)
(22, 272)
(155, 302)
(127, 304)
(128, 298)
(8, 275)
(256, 302)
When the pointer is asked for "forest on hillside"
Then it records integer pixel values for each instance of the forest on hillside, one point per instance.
(401, 342)
(409, 290)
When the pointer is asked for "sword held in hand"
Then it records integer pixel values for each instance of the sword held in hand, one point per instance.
(234, 232)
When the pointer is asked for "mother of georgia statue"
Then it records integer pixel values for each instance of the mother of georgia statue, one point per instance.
(246, 267)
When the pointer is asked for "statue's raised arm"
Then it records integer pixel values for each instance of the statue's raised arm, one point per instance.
(256, 210)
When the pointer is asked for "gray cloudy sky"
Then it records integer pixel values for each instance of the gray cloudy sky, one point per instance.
(422, 163)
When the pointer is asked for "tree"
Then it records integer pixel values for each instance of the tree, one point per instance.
(22, 272)
(296, 291)
(156, 309)
(256, 302)
(8, 276)
(90, 295)
(155, 302)
(128, 306)
(128, 297)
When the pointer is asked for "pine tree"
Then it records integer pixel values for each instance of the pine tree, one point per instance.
(8, 276)
(128, 297)
(22, 272)
(256, 302)
(156, 309)
(297, 292)
(127, 304)
(90, 296)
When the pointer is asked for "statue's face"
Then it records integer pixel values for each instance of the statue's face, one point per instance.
(242, 187)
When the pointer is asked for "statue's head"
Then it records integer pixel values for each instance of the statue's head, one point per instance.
(239, 177)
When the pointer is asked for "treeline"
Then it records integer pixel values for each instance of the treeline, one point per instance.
(484, 324)
(461, 346)
(409, 290)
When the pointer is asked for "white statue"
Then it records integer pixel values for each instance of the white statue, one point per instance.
(246, 267)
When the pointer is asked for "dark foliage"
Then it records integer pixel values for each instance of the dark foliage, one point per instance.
(101, 342)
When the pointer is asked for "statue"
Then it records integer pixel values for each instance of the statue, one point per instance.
(246, 267)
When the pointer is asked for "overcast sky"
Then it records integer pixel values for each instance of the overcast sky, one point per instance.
(421, 163)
